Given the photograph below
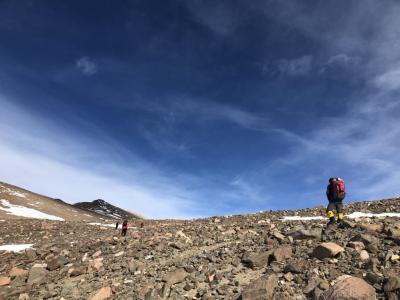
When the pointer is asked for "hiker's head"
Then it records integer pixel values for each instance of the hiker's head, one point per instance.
(331, 179)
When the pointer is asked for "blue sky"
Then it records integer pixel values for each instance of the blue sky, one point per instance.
(196, 108)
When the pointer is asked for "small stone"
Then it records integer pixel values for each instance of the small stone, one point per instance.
(5, 280)
(96, 254)
(17, 272)
(357, 245)
(119, 254)
(23, 296)
(96, 263)
(76, 271)
(364, 256)
(288, 276)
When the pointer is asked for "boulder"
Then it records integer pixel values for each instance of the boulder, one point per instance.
(351, 288)
(176, 276)
(327, 250)
(282, 253)
(17, 272)
(53, 264)
(103, 293)
(366, 239)
(303, 234)
(257, 260)
(371, 227)
(261, 289)
(37, 274)
(392, 284)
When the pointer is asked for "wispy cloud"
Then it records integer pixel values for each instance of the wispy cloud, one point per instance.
(344, 60)
(50, 158)
(296, 67)
(388, 81)
(86, 66)
(220, 17)
(178, 109)
(74, 167)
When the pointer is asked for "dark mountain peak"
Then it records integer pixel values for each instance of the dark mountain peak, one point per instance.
(106, 209)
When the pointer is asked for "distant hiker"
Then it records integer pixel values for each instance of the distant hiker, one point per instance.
(141, 225)
(335, 193)
(124, 228)
(116, 225)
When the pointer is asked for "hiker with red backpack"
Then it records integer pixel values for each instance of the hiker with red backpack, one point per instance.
(124, 228)
(335, 193)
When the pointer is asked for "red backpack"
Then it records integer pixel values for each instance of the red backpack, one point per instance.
(338, 188)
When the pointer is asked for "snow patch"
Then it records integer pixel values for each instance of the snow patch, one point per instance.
(110, 225)
(358, 214)
(18, 210)
(14, 193)
(15, 248)
(354, 215)
(300, 218)
(104, 225)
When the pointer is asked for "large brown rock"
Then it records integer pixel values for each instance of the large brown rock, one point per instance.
(392, 284)
(101, 294)
(351, 288)
(327, 250)
(4, 280)
(257, 260)
(176, 276)
(282, 253)
(304, 234)
(16, 272)
(37, 274)
(261, 289)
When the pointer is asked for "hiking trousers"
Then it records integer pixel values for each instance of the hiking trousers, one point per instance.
(338, 205)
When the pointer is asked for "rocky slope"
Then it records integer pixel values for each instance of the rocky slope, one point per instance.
(108, 210)
(257, 256)
(18, 203)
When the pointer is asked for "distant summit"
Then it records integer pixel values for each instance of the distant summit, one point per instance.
(106, 209)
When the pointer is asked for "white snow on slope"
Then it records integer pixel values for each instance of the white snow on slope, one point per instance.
(13, 193)
(357, 214)
(111, 225)
(104, 225)
(354, 215)
(16, 247)
(23, 211)
(300, 218)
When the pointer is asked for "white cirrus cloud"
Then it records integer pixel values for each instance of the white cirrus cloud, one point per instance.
(86, 66)
(296, 67)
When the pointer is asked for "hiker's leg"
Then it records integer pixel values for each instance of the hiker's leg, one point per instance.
(339, 209)
(330, 213)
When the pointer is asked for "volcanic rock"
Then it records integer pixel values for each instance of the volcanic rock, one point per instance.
(327, 250)
(351, 288)
(261, 289)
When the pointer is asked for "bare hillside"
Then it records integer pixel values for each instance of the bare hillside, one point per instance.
(17, 203)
